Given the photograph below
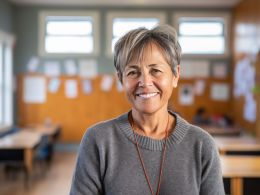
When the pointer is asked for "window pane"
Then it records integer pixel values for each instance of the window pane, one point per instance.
(202, 45)
(201, 28)
(1, 84)
(69, 44)
(69, 34)
(8, 90)
(122, 25)
(69, 27)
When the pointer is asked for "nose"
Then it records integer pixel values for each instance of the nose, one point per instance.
(145, 80)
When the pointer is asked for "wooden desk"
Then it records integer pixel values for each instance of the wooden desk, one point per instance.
(237, 144)
(49, 130)
(20, 146)
(225, 131)
(238, 167)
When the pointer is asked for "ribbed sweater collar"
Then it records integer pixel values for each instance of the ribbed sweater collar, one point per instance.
(176, 136)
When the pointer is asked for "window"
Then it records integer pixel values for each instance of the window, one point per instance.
(68, 33)
(121, 23)
(202, 34)
(6, 77)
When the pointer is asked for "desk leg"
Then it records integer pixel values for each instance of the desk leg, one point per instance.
(28, 162)
(236, 186)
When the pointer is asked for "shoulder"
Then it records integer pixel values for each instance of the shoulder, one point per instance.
(197, 135)
(103, 129)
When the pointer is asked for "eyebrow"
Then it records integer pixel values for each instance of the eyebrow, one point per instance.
(135, 66)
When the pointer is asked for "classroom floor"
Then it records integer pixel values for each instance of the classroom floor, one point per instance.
(56, 180)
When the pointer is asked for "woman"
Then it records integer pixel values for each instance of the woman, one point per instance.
(149, 150)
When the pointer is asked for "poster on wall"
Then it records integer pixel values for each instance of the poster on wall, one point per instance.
(34, 90)
(199, 87)
(87, 86)
(250, 108)
(33, 64)
(88, 68)
(71, 88)
(70, 68)
(107, 83)
(52, 68)
(220, 91)
(219, 70)
(194, 69)
(186, 96)
(54, 84)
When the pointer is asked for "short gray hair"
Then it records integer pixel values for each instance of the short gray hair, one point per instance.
(131, 46)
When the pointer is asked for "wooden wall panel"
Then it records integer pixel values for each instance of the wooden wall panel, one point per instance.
(75, 115)
(246, 30)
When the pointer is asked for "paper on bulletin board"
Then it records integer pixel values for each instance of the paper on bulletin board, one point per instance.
(199, 87)
(107, 82)
(250, 108)
(219, 70)
(186, 69)
(220, 91)
(70, 67)
(34, 90)
(119, 86)
(71, 88)
(54, 84)
(201, 68)
(88, 68)
(52, 68)
(192, 69)
(87, 86)
(186, 96)
(33, 64)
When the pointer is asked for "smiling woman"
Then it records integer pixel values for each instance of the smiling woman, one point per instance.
(150, 149)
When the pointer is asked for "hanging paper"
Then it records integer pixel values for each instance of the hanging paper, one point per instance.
(54, 85)
(71, 88)
(88, 68)
(70, 67)
(107, 82)
(52, 68)
(34, 89)
(87, 86)
(186, 96)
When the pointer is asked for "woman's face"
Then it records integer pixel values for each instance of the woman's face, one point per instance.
(149, 83)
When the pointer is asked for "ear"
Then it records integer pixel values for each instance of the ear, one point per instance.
(176, 77)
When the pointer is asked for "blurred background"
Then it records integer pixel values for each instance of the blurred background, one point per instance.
(57, 78)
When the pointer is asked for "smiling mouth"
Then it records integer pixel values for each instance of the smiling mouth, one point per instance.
(146, 95)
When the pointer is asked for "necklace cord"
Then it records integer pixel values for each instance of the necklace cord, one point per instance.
(141, 159)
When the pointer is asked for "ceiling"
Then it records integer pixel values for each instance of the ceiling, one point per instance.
(142, 3)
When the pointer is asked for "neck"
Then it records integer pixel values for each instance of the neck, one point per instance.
(152, 125)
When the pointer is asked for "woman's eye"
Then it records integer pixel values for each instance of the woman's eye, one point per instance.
(131, 73)
(156, 71)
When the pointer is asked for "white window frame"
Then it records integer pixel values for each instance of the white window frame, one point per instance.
(129, 14)
(226, 21)
(45, 13)
(6, 82)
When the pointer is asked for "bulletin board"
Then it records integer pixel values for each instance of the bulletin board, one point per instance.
(76, 115)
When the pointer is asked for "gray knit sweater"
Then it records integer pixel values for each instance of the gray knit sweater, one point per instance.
(108, 161)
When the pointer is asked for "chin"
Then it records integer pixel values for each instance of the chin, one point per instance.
(146, 110)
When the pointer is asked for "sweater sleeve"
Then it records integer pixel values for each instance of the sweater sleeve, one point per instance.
(87, 176)
(211, 178)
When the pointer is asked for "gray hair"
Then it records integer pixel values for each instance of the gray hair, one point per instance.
(131, 46)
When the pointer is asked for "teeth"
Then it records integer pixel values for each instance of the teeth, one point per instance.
(147, 95)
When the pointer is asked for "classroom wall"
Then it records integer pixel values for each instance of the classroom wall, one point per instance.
(246, 31)
(6, 16)
(78, 114)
